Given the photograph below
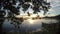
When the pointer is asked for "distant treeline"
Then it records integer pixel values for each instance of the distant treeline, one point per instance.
(53, 17)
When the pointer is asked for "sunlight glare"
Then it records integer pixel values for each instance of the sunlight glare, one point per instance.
(33, 15)
(30, 21)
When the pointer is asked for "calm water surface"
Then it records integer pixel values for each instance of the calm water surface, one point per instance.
(28, 25)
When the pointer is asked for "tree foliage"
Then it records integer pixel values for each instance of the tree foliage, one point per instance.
(25, 4)
(36, 5)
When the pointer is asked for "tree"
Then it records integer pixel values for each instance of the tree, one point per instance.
(1, 19)
(37, 5)
(6, 6)
(25, 4)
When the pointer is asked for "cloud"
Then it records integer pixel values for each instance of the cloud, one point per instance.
(55, 9)
(48, 0)
(50, 15)
(51, 10)
(55, 3)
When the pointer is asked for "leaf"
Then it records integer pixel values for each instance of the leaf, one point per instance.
(25, 7)
(12, 9)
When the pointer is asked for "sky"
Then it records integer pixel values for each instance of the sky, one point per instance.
(55, 7)
(53, 11)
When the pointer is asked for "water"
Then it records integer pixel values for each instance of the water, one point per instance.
(28, 25)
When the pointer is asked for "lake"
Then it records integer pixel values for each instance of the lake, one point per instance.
(28, 25)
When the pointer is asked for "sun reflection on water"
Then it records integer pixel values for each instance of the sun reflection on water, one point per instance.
(30, 21)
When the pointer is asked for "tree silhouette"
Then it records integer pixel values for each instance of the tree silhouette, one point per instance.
(25, 4)
(1, 19)
(28, 13)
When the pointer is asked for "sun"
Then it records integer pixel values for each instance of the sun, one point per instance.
(34, 15)
(31, 21)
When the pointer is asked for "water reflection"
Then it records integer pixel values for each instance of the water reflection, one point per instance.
(28, 25)
(30, 21)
